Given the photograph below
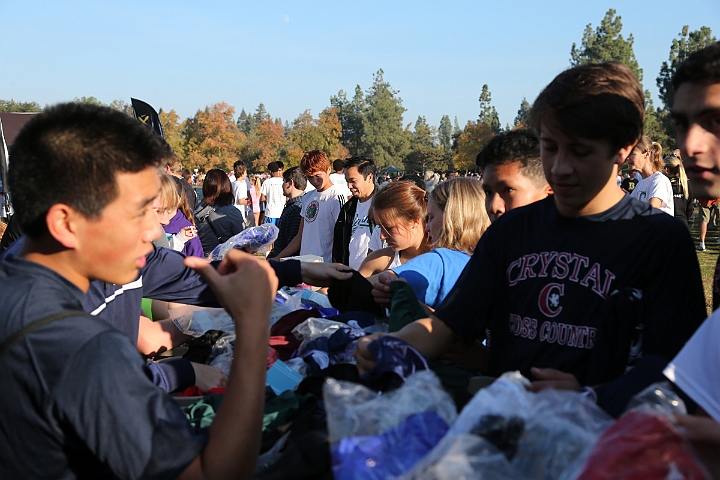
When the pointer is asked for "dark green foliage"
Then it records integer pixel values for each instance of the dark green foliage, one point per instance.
(606, 44)
(351, 115)
(386, 141)
(19, 107)
(488, 114)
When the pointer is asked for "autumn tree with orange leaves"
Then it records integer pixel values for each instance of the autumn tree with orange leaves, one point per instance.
(265, 144)
(469, 142)
(322, 133)
(212, 138)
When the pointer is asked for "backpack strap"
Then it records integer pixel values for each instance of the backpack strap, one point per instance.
(31, 327)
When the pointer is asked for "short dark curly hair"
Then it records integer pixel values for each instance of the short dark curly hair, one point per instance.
(517, 146)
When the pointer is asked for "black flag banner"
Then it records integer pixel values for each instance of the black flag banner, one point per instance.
(147, 115)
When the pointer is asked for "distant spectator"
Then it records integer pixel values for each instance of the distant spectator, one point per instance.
(293, 188)
(411, 177)
(654, 188)
(175, 216)
(354, 226)
(431, 179)
(683, 199)
(216, 217)
(338, 176)
(254, 192)
(320, 209)
(240, 191)
(174, 167)
(272, 194)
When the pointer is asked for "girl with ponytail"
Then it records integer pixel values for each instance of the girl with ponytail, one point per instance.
(654, 188)
(683, 198)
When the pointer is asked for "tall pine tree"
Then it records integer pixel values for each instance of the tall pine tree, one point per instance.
(488, 114)
(606, 44)
(386, 140)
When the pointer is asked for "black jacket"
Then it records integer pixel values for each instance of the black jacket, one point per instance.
(343, 231)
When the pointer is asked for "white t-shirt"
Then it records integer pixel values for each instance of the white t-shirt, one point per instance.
(274, 198)
(376, 243)
(338, 179)
(360, 236)
(240, 191)
(656, 185)
(320, 211)
(696, 369)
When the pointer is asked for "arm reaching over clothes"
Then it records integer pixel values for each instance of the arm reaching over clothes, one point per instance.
(234, 438)
(323, 274)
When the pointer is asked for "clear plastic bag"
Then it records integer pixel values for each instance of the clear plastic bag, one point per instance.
(254, 238)
(542, 436)
(382, 436)
(287, 300)
(643, 443)
(354, 410)
(313, 328)
(464, 456)
(221, 355)
(195, 321)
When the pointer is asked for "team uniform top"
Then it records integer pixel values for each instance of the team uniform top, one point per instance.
(77, 399)
(538, 284)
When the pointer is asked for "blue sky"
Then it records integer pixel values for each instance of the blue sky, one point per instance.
(293, 55)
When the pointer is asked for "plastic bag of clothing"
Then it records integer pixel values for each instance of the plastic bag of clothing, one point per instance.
(254, 238)
(543, 435)
(222, 353)
(195, 321)
(465, 456)
(287, 300)
(643, 443)
(314, 328)
(382, 436)
(322, 351)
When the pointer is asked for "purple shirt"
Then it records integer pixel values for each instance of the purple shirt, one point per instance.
(193, 247)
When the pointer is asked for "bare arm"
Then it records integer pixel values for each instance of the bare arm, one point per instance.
(294, 244)
(655, 202)
(376, 262)
(234, 437)
(430, 336)
(323, 274)
(154, 337)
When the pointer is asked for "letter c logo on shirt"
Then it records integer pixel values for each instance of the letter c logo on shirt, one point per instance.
(549, 300)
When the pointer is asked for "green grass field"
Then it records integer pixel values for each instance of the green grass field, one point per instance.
(707, 260)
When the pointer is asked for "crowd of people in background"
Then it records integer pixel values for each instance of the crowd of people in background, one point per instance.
(521, 265)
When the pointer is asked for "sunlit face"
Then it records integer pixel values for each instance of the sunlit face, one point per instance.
(581, 172)
(637, 160)
(434, 223)
(113, 246)
(360, 187)
(507, 187)
(696, 114)
(319, 179)
(398, 234)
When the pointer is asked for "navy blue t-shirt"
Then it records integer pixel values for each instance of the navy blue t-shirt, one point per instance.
(537, 284)
(164, 277)
(77, 398)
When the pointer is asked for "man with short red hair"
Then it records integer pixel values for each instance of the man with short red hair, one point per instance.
(320, 209)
